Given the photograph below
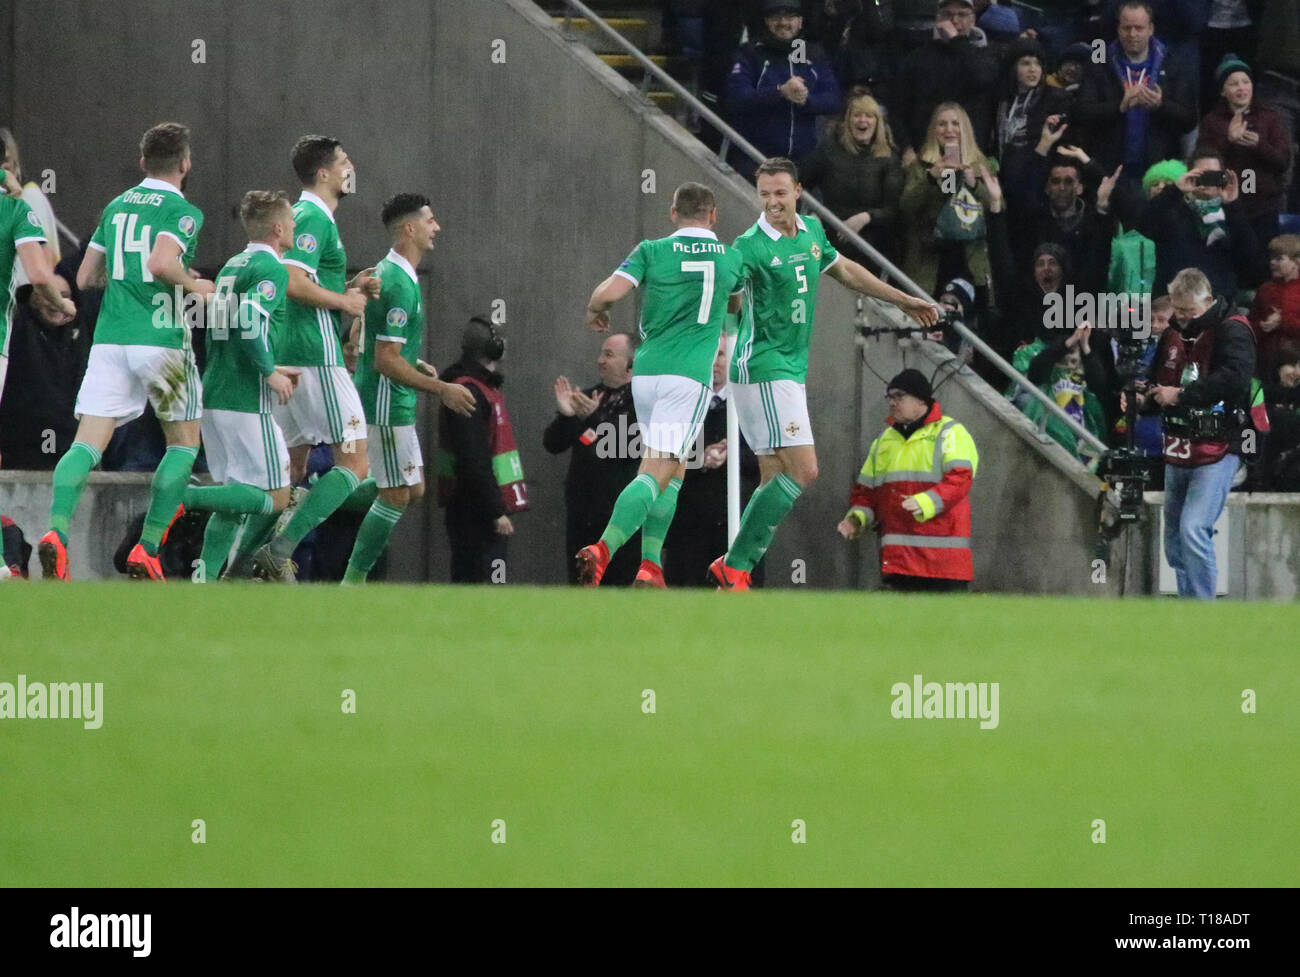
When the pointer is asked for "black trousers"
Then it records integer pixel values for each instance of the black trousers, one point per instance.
(476, 546)
(904, 582)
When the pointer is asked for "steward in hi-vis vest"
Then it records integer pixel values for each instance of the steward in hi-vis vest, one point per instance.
(913, 490)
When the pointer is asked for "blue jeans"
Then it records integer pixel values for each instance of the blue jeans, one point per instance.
(1194, 498)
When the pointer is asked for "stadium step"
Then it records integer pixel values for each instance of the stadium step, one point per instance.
(641, 27)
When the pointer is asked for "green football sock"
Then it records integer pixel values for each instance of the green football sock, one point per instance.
(657, 521)
(218, 538)
(231, 497)
(70, 476)
(630, 510)
(329, 492)
(362, 498)
(770, 504)
(168, 488)
(372, 538)
(253, 532)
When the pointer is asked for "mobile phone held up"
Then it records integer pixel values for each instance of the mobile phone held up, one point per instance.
(1213, 178)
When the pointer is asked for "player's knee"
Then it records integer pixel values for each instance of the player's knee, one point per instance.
(352, 456)
(805, 473)
(398, 498)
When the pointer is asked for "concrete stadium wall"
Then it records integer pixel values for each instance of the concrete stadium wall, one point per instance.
(536, 167)
(108, 504)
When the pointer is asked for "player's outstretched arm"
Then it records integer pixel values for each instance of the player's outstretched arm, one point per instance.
(36, 263)
(852, 275)
(608, 292)
(389, 362)
(165, 265)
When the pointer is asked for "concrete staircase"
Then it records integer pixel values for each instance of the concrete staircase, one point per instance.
(642, 25)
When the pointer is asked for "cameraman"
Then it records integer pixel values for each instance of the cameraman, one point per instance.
(1202, 378)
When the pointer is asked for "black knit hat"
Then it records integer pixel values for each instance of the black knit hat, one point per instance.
(912, 382)
(1079, 51)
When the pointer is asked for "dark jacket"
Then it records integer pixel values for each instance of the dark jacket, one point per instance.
(1229, 263)
(762, 114)
(1279, 37)
(46, 365)
(940, 71)
(476, 495)
(594, 482)
(849, 184)
(1100, 124)
(1017, 297)
(1269, 158)
(1232, 360)
(1085, 235)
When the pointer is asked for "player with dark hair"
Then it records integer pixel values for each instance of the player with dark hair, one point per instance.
(688, 278)
(784, 257)
(389, 375)
(322, 304)
(142, 249)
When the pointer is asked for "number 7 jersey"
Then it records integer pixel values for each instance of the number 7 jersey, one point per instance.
(687, 279)
(138, 309)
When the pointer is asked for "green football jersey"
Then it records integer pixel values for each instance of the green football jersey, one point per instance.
(780, 300)
(397, 316)
(138, 309)
(247, 311)
(311, 335)
(688, 278)
(18, 225)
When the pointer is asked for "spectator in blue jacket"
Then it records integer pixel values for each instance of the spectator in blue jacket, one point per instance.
(778, 86)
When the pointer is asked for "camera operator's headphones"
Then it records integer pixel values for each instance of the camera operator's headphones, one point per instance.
(490, 347)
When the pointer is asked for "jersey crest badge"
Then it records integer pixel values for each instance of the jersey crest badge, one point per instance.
(396, 317)
(186, 224)
(816, 251)
(266, 289)
(306, 242)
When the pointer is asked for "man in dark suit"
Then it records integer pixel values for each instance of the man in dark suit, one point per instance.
(599, 425)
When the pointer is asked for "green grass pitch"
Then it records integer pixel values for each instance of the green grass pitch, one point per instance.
(525, 704)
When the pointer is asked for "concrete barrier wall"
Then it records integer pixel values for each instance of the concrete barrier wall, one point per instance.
(536, 163)
(108, 504)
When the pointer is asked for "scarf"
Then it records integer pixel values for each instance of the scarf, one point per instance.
(1210, 219)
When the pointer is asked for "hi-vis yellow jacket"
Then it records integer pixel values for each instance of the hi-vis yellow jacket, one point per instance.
(935, 466)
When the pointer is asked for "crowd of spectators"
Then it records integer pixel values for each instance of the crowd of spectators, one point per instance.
(1038, 154)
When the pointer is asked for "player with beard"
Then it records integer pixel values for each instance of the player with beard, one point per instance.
(142, 249)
